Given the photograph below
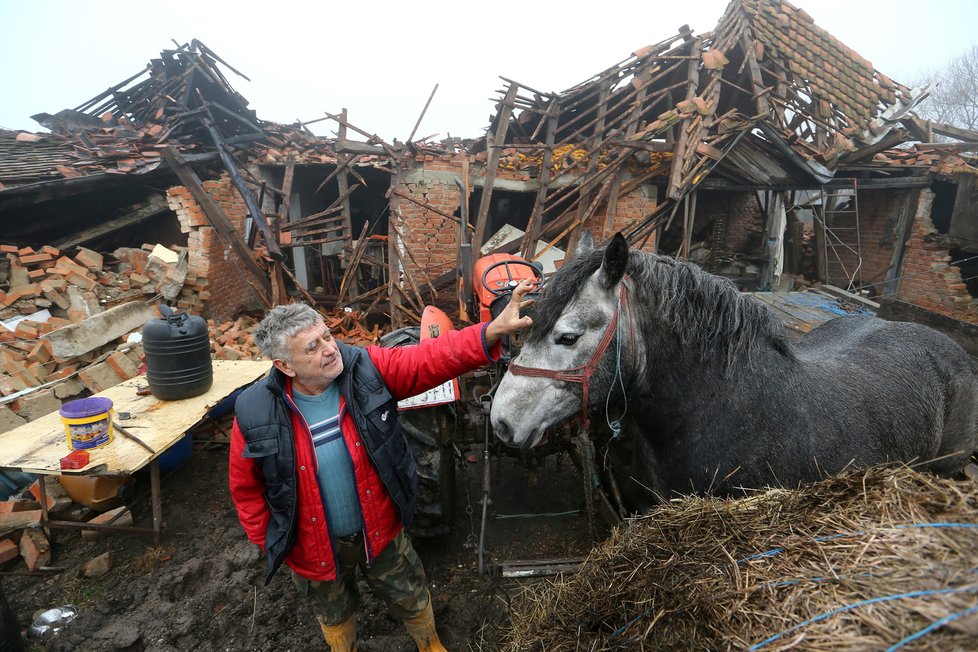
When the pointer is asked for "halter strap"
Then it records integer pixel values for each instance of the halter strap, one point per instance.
(582, 373)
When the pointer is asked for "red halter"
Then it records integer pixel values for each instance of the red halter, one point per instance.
(582, 373)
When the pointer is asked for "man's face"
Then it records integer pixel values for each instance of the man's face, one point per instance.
(315, 360)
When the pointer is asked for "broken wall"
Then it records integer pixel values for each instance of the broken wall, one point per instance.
(216, 286)
(928, 279)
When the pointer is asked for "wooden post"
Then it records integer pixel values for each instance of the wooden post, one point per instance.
(682, 151)
(343, 185)
(393, 255)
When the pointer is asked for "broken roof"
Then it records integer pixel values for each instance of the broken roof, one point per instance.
(766, 99)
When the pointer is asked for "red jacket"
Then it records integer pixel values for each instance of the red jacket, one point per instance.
(406, 371)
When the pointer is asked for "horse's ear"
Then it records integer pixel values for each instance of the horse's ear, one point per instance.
(615, 261)
(585, 244)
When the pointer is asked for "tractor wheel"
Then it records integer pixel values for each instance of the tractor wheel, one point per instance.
(424, 428)
(429, 432)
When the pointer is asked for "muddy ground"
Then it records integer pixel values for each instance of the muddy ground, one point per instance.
(201, 588)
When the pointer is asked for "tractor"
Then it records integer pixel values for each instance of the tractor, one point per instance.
(451, 423)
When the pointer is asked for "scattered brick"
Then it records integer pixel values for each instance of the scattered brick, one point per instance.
(35, 549)
(8, 550)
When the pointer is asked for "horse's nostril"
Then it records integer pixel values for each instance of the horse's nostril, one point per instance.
(502, 429)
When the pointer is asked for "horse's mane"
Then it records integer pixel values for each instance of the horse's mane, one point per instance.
(705, 312)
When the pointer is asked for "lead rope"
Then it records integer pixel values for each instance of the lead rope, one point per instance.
(615, 424)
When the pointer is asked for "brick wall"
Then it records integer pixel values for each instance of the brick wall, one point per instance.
(879, 216)
(737, 218)
(928, 279)
(431, 238)
(216, 286)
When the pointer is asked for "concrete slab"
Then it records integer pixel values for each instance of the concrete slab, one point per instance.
(77, 339)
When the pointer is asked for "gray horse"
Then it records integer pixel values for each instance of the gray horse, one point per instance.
(708, 392)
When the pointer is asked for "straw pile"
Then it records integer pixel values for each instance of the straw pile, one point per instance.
(864, 561)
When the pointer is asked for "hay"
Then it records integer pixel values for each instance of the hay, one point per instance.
(860, 561)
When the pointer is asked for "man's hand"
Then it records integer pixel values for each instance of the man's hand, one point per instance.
(509, 320)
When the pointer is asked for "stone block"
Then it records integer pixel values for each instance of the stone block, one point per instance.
(97, 566)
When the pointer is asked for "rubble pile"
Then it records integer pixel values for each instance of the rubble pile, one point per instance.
(20, 521)
(67, 320)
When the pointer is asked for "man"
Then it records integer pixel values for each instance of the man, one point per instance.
(320, 472)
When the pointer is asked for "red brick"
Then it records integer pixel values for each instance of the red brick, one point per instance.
(66, 265)
(122, 366)
(56, 298)
(103, 519)
(26, 330)
(90, 259)
(81, 280)
(35, 258)
(64, 372)
(35, 549)
(8, 550)
(41, 353)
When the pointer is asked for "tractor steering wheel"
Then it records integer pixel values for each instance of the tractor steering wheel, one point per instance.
(511, 282)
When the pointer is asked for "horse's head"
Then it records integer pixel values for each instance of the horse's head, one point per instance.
(571, 355)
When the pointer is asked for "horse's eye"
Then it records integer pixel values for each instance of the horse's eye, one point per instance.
(567, 339)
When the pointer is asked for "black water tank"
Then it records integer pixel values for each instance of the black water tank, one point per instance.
(178, 355)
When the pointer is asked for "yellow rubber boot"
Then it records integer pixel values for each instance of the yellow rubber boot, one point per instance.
(422, 630)
(342, 637)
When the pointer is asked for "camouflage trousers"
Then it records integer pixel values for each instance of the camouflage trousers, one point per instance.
(396, 576)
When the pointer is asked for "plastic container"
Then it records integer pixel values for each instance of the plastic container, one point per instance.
(98, 492)
(88, 422)
(178, 355)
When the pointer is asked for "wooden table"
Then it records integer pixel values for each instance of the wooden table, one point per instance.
(37, 447)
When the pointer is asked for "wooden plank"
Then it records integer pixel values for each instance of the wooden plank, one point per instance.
(682, 150)
(38, 446)
(757, 81)
(529, 242)
(344, 146)
(595, 142)
(343, 185)
(492, 162)
(215, 215)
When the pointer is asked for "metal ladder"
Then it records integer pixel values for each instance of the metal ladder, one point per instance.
(841, 238)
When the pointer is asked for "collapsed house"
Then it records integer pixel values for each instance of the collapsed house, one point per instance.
(765, 150)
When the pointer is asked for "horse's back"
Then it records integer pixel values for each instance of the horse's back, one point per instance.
(916, 370)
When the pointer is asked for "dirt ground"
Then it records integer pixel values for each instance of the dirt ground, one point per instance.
(201, 588)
